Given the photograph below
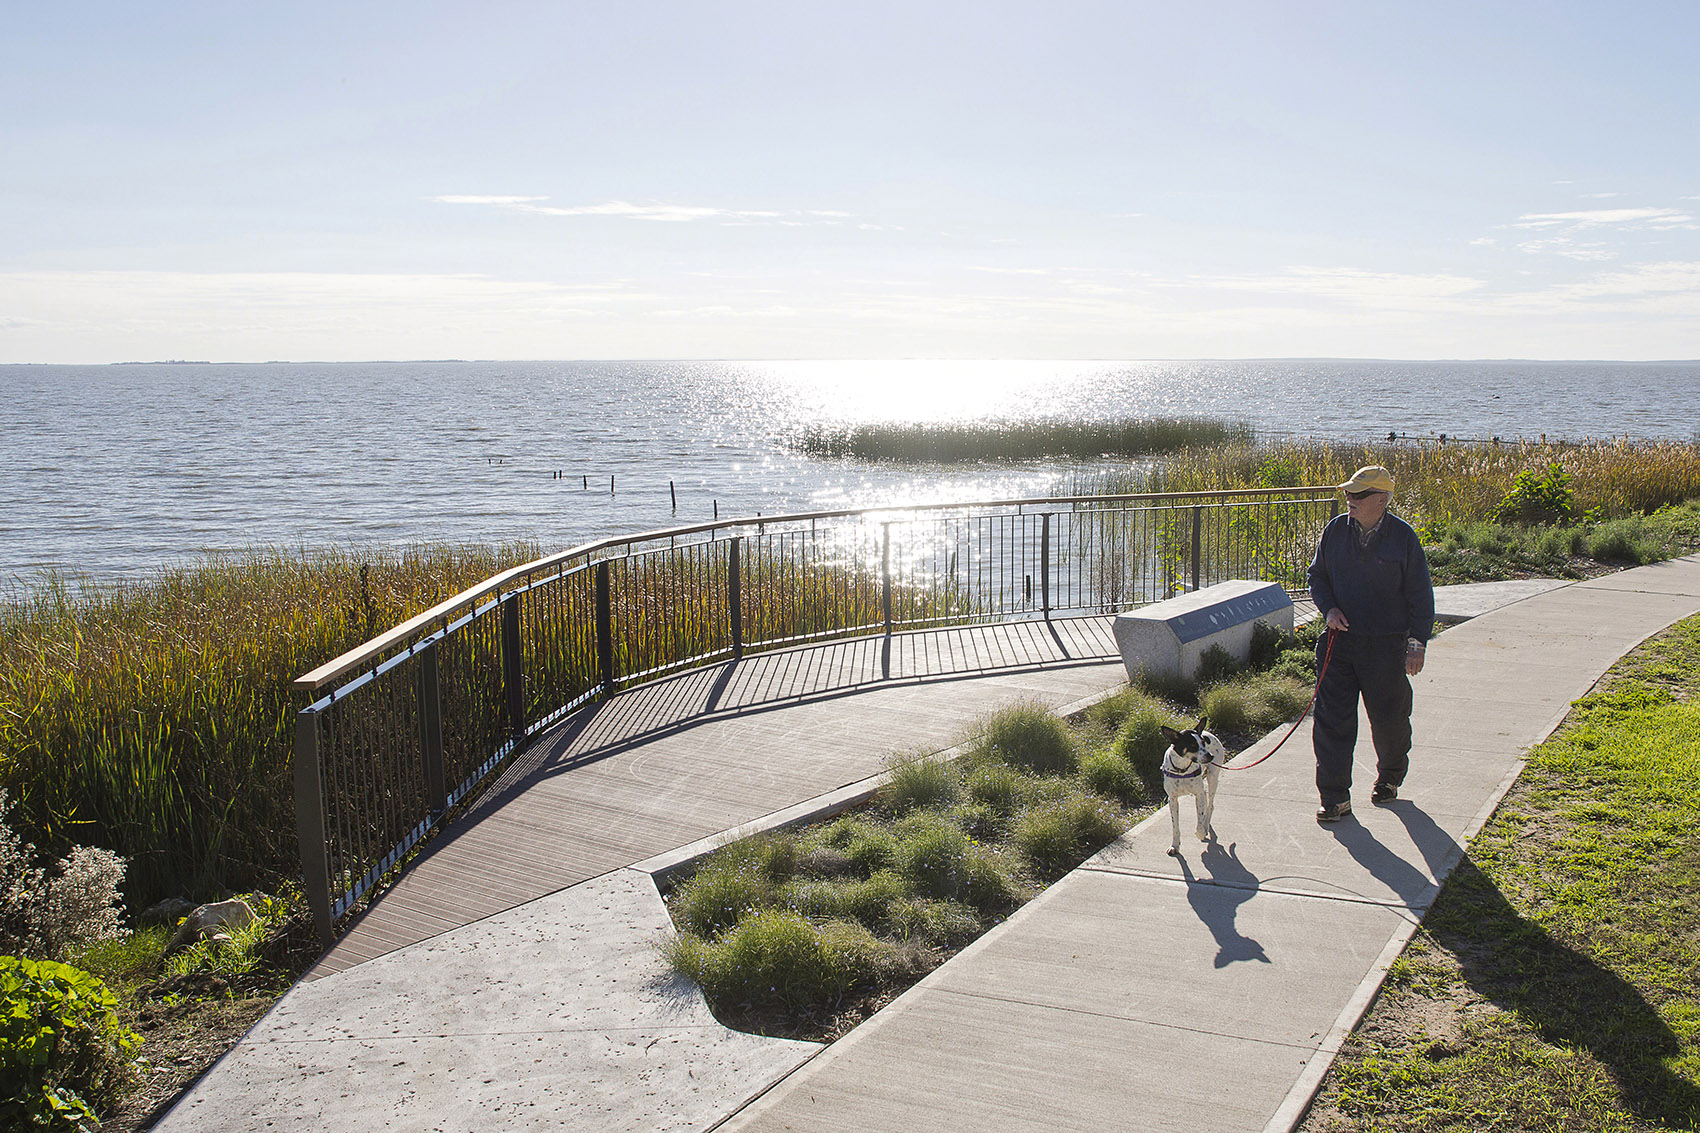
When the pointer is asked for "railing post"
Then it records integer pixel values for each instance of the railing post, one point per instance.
(1045, 564)
(431, 732)
(513, 672)
(604, 629)
(1197, 541)
(735, 593)
(885, 573)
(310, 824)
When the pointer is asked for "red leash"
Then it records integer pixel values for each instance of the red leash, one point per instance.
(1329, 653)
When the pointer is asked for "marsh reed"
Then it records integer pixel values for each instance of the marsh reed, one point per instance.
(1437, 482)
(155, 718)
(1017, 440)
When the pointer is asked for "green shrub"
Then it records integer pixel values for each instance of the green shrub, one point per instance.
(1026, 735)
(62, 1048)
(916, 782)
(937, 859)
(980, 821)
(868, 846)
(1107, 773)
(857, 899)
(1216, 665)
(1003, 788)
(945, 924)
(1254, 702)
(1141, 744)
(1623, 540)
(1057, 836)
(1545, 497)
(1268, 641)
(1298, 665)
(734, 881)
(777, 958)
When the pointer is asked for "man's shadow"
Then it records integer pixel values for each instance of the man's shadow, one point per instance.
(1564, 995)
(1217, 898)
(1411, 885)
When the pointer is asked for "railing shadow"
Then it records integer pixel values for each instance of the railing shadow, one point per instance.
(1570, 1000)
(1217, 899)
(761, 683)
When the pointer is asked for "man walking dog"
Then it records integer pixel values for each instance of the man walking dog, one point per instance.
(1370, 578)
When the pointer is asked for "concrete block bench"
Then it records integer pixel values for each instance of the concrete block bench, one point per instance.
(1167, 640)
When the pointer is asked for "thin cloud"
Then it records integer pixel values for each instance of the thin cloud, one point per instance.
(1675, 276)
(666, 213)
(1655, 218)
(1368, 288)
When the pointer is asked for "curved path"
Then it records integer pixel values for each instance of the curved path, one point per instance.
(1208, 992)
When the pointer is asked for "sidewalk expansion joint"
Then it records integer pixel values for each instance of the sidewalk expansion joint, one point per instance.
(1417, 909)
(1125, 1018)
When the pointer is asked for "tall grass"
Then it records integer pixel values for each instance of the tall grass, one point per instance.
(156, 718)
(1017, 440)
(1437, 483)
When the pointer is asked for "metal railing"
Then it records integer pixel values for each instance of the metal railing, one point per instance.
(408, 725)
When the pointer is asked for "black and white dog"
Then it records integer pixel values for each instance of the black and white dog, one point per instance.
(1191, 766)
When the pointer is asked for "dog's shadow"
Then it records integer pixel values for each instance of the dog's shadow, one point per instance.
(1217, 899)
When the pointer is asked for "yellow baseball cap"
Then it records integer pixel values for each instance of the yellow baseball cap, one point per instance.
(1370, 478)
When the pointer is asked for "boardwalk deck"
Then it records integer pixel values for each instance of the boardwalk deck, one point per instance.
(684, 758)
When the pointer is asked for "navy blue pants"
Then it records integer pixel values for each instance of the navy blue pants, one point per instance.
(1372, 668)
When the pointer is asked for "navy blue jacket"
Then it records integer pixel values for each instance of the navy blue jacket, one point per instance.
(1383, 589)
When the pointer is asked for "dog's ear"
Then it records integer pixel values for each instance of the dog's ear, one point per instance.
(1170, 734)
(1199, 727)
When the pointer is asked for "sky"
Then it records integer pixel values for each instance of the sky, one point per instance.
(738, 180)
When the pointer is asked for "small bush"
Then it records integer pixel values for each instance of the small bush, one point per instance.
(63, 1052)
(1027, 735)
(732, 883)
(858, 899)
(1254, 702)
(1268, 641)
(1141, 744)
(777, 958)
(980, 821)
(945, 924)
(1109, 774)
(1623, 540)
(868, 846)
(937, 859)
(1545, 497)
(999, 786)
(1215, 666)
(43, 913)
(1057, 836)
(917, 782)
(1298, 665)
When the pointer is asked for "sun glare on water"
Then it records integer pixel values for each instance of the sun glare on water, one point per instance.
(928, 391)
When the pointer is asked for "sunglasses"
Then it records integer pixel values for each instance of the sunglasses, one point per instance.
(1362, 495)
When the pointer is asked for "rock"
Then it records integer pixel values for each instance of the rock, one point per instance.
(212, 922)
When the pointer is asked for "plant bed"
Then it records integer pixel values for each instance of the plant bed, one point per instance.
(804, 933)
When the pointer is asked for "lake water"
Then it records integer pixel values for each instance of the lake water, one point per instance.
(111, 471)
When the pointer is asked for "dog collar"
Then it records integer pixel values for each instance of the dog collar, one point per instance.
(1197, 770)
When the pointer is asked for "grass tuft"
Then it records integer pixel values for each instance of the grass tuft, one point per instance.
(1026, 735)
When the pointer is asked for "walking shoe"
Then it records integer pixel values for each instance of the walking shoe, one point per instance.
(1383, 794)
(1334, 813)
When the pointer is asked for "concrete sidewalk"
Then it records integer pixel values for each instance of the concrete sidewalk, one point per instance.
(1211, 993)
(1208, 992)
